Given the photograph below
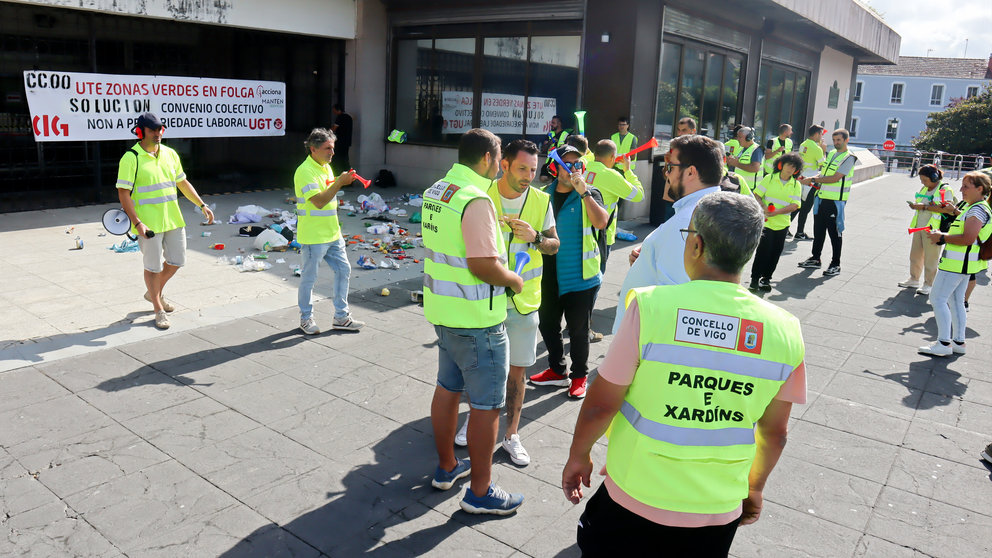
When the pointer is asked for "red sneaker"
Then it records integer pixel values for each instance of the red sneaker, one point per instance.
(578, 388)
(550, 378)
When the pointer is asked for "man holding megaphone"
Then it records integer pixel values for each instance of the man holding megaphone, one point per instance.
(148, 178)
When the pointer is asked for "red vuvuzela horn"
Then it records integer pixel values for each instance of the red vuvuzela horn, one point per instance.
(653, 142)
(918, 229)
(365, 181)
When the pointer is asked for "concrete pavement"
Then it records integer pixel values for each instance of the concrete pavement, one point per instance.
(241, 437)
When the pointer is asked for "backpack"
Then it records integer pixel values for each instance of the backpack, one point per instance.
(384, 179)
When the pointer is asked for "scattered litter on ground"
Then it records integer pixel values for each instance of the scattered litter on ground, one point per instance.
(281, 260)
(251, 264)
(624, 234)
(77, 244)
(205, 233)
(125, 246)
(415, 218)
(69, 230)
(372, 201)
(240, 218)
(416, 296)
(366, 262)
(268, 239)
(384, 292)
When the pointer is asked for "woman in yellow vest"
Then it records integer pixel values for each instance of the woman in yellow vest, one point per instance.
(933, 200)
(960, 260)
(780, 195)
(698, 386)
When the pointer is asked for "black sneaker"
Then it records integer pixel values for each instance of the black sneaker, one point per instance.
(811, 263)
(764, 284)
(788, 234)
(801, 236)
(832, 270)
(753, 287)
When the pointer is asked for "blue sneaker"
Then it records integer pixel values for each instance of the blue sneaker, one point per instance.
(496, 501)
(444, 480)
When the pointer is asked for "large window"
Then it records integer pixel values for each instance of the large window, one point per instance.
(783, 94)
(896, 98)
(936, 95)
(511, 84)
(892, 129)
(700, 81)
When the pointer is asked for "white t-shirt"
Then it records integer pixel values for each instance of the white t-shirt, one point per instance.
(511, 209)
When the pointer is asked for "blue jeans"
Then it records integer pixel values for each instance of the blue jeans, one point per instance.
(947, 298)
(334, 254)
(476, 361)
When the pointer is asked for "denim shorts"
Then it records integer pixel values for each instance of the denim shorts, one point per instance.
(475, 361)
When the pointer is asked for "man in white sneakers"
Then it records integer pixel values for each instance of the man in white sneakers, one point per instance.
(528, 226)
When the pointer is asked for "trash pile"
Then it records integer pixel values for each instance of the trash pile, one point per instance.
(389, 244)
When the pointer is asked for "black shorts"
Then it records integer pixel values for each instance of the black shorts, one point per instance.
(607, 529)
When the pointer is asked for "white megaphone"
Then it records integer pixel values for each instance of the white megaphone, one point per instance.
(118, 223)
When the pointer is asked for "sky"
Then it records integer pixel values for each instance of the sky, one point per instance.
(940, 25)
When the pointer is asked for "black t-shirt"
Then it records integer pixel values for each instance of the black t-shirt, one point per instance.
(343, 132)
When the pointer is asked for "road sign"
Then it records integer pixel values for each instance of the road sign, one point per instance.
(889, 145)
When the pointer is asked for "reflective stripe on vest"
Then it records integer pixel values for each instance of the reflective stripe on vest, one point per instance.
(923, 196)
(533, 212)
(155, 187)
(769, 163)
(161, 199)
(317, 212)
(964, 259)
(468, 292)
(440, 257)
(453, 296)
(684, 438)
(682, 355)
(745, 159)
(838, 191)
(811, 152)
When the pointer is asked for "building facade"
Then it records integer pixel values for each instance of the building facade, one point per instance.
(892, 102)
(439, 69)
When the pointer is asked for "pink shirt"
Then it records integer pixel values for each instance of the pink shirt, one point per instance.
(618, 367)
(479, 229)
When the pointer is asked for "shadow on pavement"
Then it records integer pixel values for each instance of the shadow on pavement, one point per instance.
(392, 489)
(174, 368)
(32, 349)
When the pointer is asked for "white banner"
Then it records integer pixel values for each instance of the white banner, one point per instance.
(501, 113)
(72, 106)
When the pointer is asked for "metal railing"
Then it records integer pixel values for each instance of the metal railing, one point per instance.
(954, 165)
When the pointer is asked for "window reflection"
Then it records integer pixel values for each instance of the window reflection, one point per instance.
(432, 75)
(554, 82)
(701, 83)
(524, 81)
(783, 94)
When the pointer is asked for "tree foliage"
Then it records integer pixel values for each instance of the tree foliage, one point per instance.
(965, 126)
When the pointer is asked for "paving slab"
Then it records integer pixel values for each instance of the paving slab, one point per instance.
(232, 434)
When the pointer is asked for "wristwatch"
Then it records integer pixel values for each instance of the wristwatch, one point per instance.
(585, 195)
(538, 239)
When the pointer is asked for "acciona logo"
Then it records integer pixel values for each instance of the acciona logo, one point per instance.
(262, 91)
